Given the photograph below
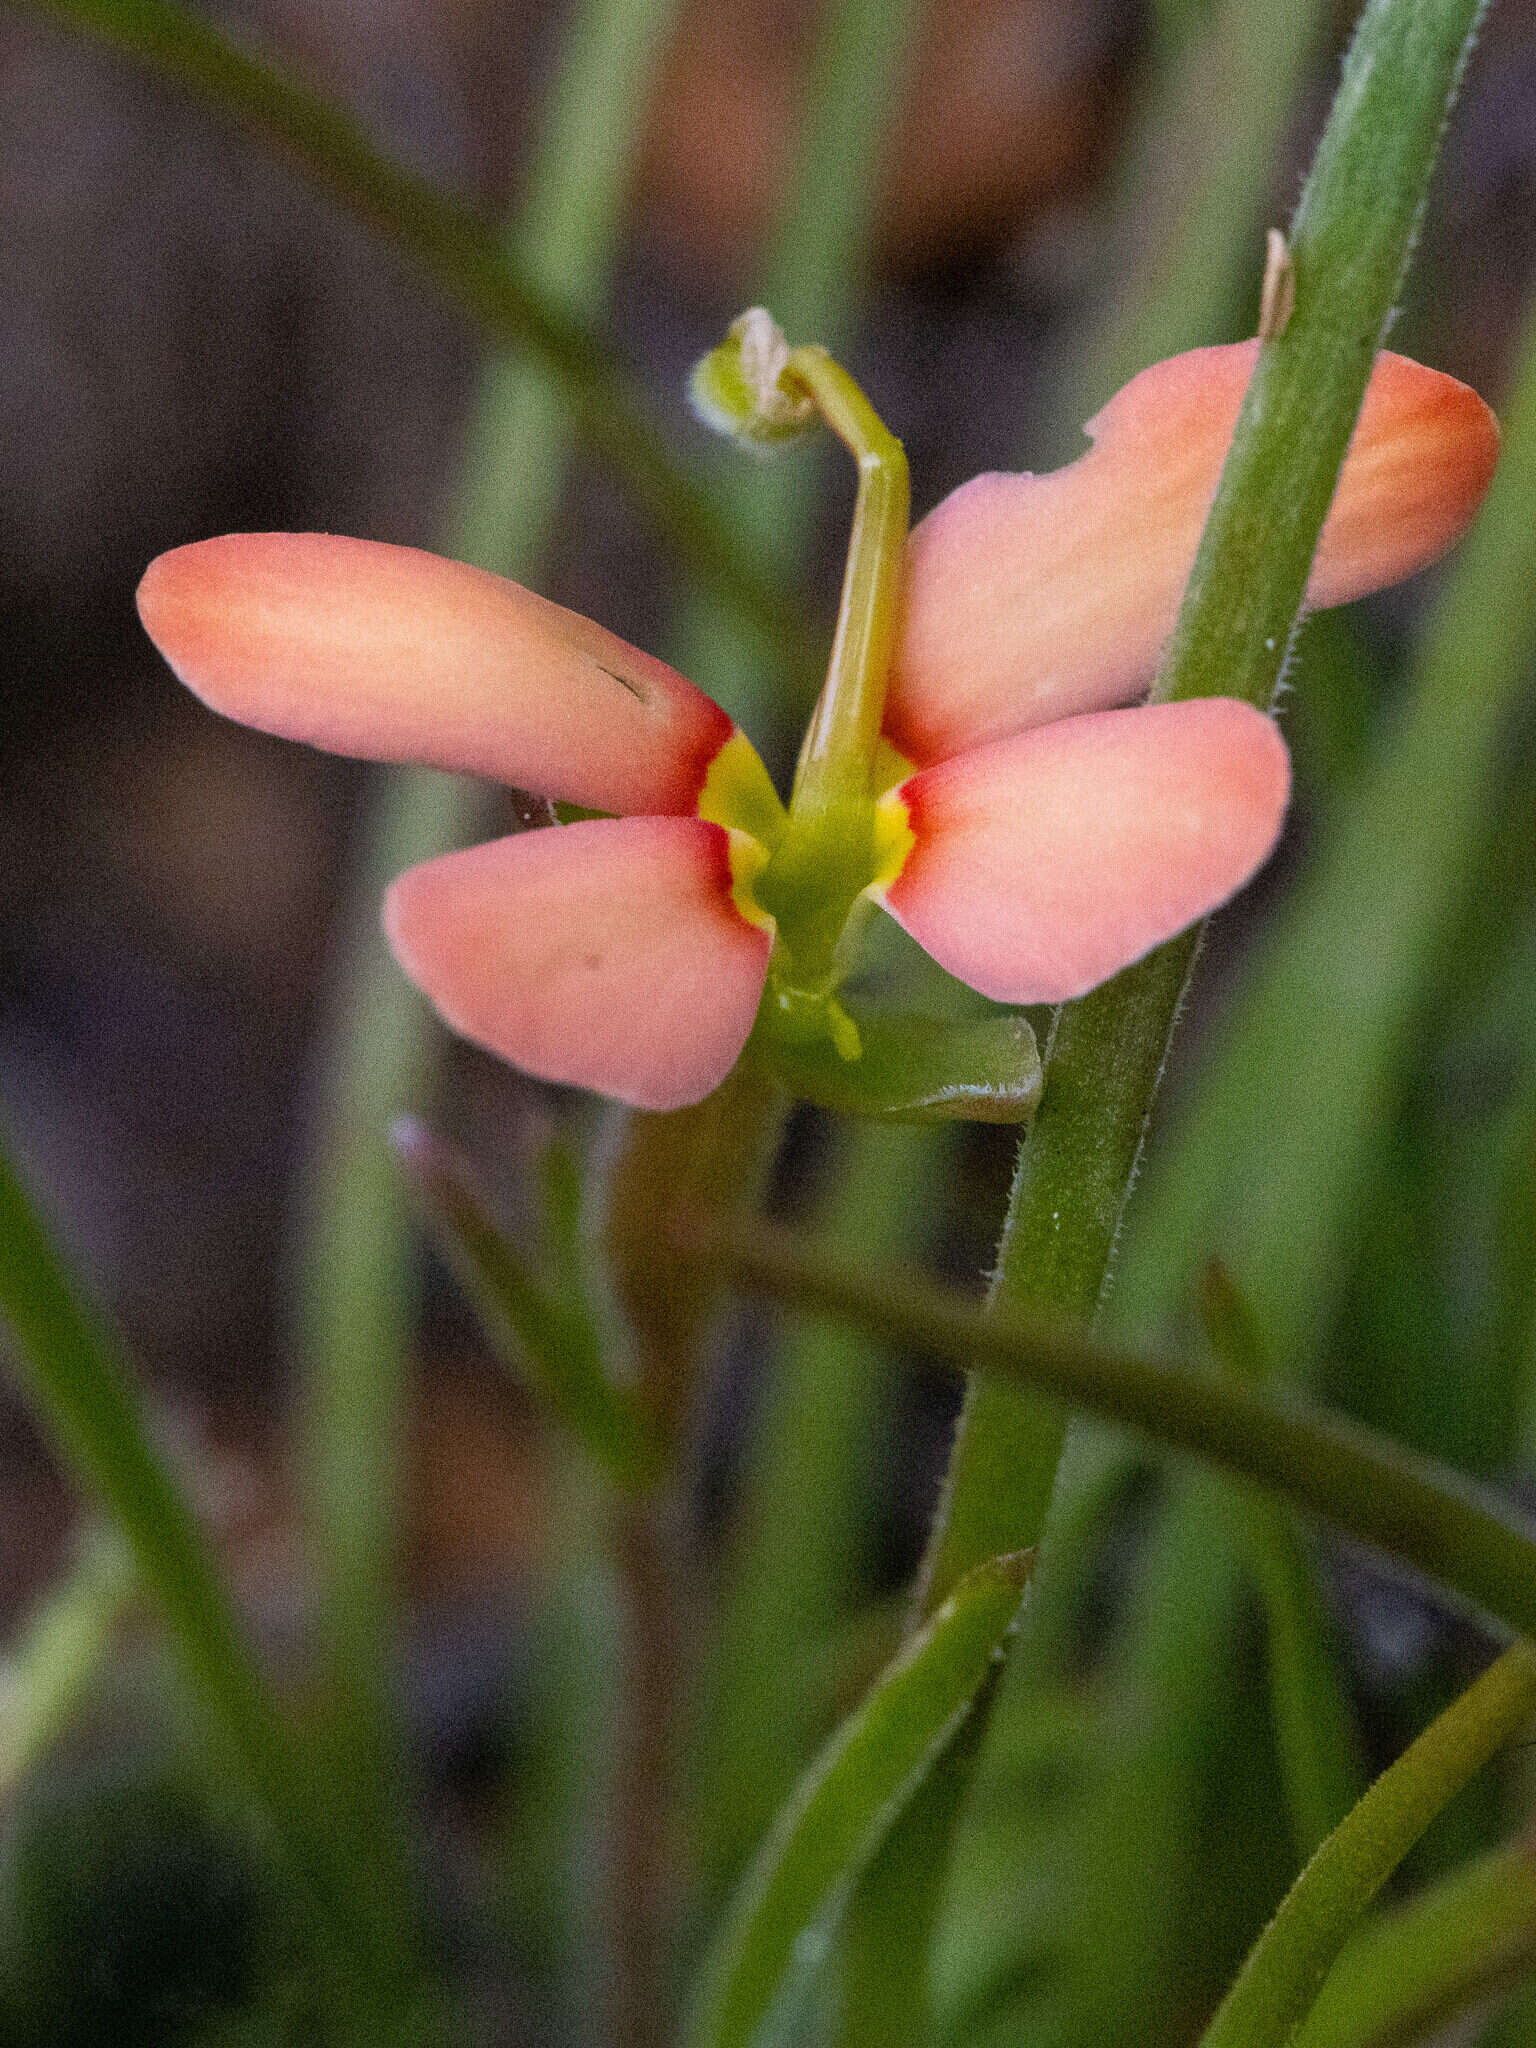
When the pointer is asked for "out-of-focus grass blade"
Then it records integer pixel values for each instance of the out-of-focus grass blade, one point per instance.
(549, 1340)
(783, 1916)
(1267, 1163)
(1079, 1942)
(82, 1394)
(1415, 1970)
(1313, 1726)
(1286, 1967)
(1314, 1729)
(59, 1651)
(554, 1880)
(790, 1563)
(1203, 161)
(357, 1302)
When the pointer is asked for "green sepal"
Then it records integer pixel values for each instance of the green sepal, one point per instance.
(914, 1069)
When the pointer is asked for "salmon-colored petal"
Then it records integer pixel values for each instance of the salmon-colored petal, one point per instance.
(395, 655)
(608, 954)
(1030, 598)
(1046, 862)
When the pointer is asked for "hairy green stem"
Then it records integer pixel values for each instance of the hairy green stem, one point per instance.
(1411, 1507)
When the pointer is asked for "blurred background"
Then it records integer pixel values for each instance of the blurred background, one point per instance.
(193, 341)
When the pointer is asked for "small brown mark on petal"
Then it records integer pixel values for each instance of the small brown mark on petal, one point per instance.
(624, 682)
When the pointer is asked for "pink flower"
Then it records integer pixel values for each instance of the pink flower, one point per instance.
(1035, 838)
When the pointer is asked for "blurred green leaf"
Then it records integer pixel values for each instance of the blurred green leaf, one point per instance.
(1314, 1728)
(779, 1926)
(1286, 1967)
(1191, 194)
(59, 1651)
(791, 1565)
(81, 1392)
(1082, 1939)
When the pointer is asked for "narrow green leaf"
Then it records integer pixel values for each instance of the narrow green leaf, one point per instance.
(1286, 1967)
(59, 1652)
(1413, 1507)
(1413, 1970)
(1314, 1728)
(547, 1339)
(462, 252)
(915, 1069)
(784, 1914)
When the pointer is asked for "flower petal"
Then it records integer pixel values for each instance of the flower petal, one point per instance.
(1048, 861)
(608, 954)
(1030, 598)
(395, 655)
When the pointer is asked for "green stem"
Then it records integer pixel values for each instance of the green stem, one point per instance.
(1286, 1967)
(1414, 1508)
(460, 249)
(840, 742)
(827, 856)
